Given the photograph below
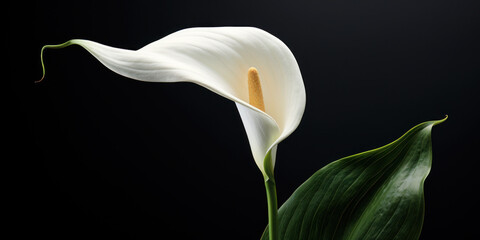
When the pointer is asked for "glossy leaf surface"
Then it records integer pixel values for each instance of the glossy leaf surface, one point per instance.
(376, 194)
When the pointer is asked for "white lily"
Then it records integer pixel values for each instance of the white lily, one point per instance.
(220, 59)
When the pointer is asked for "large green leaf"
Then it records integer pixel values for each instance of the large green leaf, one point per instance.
(376, 194)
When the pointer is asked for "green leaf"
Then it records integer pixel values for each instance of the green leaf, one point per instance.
(376, 194)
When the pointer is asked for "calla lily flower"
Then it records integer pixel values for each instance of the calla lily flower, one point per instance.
(238, 63)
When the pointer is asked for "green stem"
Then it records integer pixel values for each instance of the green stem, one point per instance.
(272, 208)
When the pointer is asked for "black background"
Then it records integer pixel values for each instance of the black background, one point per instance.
(115, 158)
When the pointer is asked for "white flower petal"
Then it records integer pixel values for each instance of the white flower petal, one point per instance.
(261, 134)
(218, 59)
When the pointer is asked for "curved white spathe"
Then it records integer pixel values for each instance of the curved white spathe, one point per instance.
(218, 59)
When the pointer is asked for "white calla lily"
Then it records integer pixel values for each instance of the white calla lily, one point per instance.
(219, 59)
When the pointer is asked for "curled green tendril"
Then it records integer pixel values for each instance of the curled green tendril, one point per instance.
(66, 44)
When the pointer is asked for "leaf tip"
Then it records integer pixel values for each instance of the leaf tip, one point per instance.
(68, 43)
(43, 66)
(440, 121)
(41, 79)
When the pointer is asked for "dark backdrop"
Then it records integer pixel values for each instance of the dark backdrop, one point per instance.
(115, 158)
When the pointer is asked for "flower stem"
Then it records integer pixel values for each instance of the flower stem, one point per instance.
(272, 208)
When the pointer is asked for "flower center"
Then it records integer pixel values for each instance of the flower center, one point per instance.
(255, 95)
